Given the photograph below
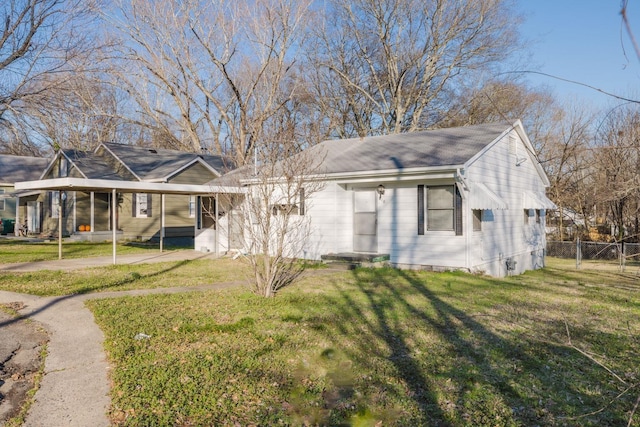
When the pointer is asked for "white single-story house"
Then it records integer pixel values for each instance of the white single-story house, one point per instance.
(470, 198)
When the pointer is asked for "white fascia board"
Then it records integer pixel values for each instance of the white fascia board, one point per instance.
(79, 184)
(410, 174)
(50, 165)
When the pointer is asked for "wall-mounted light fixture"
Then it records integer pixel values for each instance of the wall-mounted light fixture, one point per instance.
(380, 191)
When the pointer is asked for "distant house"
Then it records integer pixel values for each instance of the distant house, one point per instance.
(87, 212)
(469, 198)
(14, 169)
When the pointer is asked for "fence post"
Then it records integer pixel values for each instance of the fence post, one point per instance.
(578, 254)
(623, 257)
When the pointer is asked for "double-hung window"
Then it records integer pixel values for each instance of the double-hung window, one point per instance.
(441, 209)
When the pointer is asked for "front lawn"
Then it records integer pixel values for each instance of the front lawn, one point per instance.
(556, 347)
(13, 250)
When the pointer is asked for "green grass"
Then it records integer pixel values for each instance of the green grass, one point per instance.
(12, 251)
(382, 346)
(123, 277)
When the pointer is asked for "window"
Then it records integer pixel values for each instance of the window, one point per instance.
(526, 216)
(54, 204)
(2, 207)
(443, 208)
(477, 220)
(285, 209)
(290, 208)
(192, 206)
(141, 205)
(440, 207)
(537, 216)
(63, 167)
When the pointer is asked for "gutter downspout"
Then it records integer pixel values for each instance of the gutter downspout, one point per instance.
(465, 218)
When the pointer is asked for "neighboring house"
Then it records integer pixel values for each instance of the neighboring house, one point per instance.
(88, 214)
(469, 198)
(14, 169)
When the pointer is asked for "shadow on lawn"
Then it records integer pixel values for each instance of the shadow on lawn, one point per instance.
(476, 372)
(131, 278)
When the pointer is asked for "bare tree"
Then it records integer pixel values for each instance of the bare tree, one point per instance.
(564, 151)
(274, 211)
(617, 167)
(43, 45)
(211, 73)
(394, 63)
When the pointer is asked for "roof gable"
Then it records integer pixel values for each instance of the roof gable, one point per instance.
(151, 164)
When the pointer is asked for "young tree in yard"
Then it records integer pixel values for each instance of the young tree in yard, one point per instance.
(393, 65)
(44, 45)
(276, 226)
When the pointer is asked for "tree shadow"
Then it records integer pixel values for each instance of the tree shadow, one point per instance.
(463, 354)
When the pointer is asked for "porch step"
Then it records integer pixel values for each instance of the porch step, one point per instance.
(351, 260)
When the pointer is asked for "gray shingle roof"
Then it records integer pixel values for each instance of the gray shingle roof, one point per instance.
(431, 148)
(21, 168)
(92, 165)
(152, 163)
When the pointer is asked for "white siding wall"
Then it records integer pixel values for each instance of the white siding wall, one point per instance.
(398, 231)
(331, 213)
(504, 233)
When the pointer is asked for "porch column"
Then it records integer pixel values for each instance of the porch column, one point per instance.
(75, 213)
(162, 196)
(217, 228)
(114, 222)
(92, 210)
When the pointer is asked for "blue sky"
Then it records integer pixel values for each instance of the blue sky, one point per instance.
(584, 41)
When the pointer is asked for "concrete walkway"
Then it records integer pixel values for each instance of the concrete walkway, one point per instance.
(78, 263)
(75, 388)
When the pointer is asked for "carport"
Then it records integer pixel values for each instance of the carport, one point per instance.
(114, 187)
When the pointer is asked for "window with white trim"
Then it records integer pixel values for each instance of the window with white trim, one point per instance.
(54, 204)
(192, 206)
(141, 205)
(2, 205)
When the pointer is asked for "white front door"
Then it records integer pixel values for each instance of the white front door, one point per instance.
(365, 221)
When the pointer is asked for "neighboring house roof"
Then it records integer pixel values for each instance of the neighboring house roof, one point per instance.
(20, 168)
(431, 148)
(91, 165)
(154, 164)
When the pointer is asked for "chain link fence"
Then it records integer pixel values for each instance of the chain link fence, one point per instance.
(621, 254)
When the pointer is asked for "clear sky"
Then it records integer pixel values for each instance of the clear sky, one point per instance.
(585, 41)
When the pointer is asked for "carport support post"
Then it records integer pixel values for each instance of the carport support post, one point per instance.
(60, 224)
(114, 222)
(161, 222)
